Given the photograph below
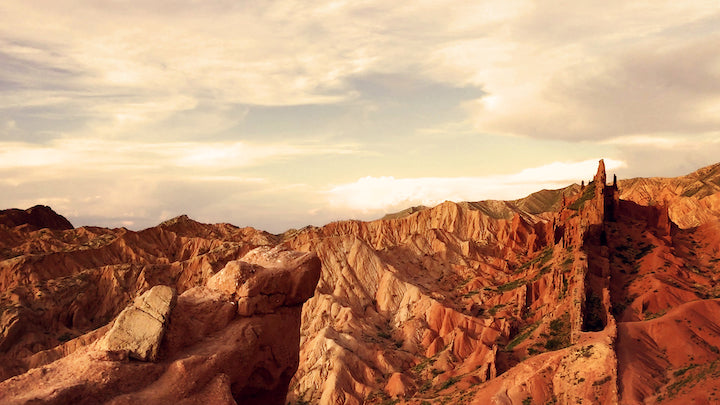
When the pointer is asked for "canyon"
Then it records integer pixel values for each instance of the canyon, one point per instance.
(596, 294)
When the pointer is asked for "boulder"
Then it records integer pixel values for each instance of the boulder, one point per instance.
(140, 327)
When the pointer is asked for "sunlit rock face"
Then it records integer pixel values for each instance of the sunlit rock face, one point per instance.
(159, 316)
(547, 299)
(577, 295)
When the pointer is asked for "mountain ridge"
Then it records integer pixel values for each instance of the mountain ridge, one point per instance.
(552, 298)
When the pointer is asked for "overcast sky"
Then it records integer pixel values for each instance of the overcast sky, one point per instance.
(279, 114)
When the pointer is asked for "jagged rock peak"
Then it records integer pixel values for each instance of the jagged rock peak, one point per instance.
(178, 219)
(600, 176)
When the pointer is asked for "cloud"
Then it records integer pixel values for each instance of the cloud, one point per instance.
(556, 70)
(111, 182)
(372, 194)
(665, 142)
(110, 155)
(592, 70)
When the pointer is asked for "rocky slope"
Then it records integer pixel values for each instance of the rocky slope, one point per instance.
(691, 200)
(595, 294)
(556, 298)
(220, 325)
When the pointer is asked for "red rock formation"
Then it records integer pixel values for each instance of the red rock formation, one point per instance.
(217, 349)
(691, 200)
(429, 304)
(566, 296)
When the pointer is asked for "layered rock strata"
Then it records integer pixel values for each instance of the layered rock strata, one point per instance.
(230, 336)
(491, 303)
(576, 295)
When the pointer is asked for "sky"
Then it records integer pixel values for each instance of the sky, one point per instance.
(279, 114)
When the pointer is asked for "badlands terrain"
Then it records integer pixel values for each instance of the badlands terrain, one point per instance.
(601, 293)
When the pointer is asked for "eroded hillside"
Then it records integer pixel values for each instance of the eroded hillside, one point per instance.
(594, 294)
(488, 303)
(165, 315)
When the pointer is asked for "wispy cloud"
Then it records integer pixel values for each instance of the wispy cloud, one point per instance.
(571, 72)
(550, 71)
(667, 142)
(109, 155)
(387, 193)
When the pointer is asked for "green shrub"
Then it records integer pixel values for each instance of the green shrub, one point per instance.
(450, 381)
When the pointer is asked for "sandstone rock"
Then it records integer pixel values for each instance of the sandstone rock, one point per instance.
(264, 291)
(691, 200)
(139, 328)
(209, 354)
(399, 385)
(567, 295)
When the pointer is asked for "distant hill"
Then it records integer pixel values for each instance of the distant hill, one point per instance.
(692, 199)
(39, 216)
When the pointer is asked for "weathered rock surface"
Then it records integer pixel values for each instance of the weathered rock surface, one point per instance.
(501, 302)
(139, 328)
(209, 352)
(691, 200)
(568, 296)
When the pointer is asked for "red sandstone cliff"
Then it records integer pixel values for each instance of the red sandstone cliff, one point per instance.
(596, 294)
(489, 303)
(228, 331)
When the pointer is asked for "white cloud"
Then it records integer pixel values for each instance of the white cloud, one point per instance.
(666, 142)
(593, 70)
(387, 193)
(66, 155)
(552, 70)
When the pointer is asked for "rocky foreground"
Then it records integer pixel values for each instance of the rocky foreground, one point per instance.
(596, 294)
(180, 313)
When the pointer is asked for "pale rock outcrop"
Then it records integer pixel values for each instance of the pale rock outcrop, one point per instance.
(140, 327)
(209, 353)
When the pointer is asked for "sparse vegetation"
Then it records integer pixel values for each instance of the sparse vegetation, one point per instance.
(492, 311)
(585, 351)
(588, 194)
(644, 250)
(423, 364)
(450, 381)
(653, 315)
(471, 293)
(692, 374)
(522, 336)
(684, 370)
(542, 258)
(541, 273)
(602, 381)
(511, 285)
(563, 292)
(559, 333)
